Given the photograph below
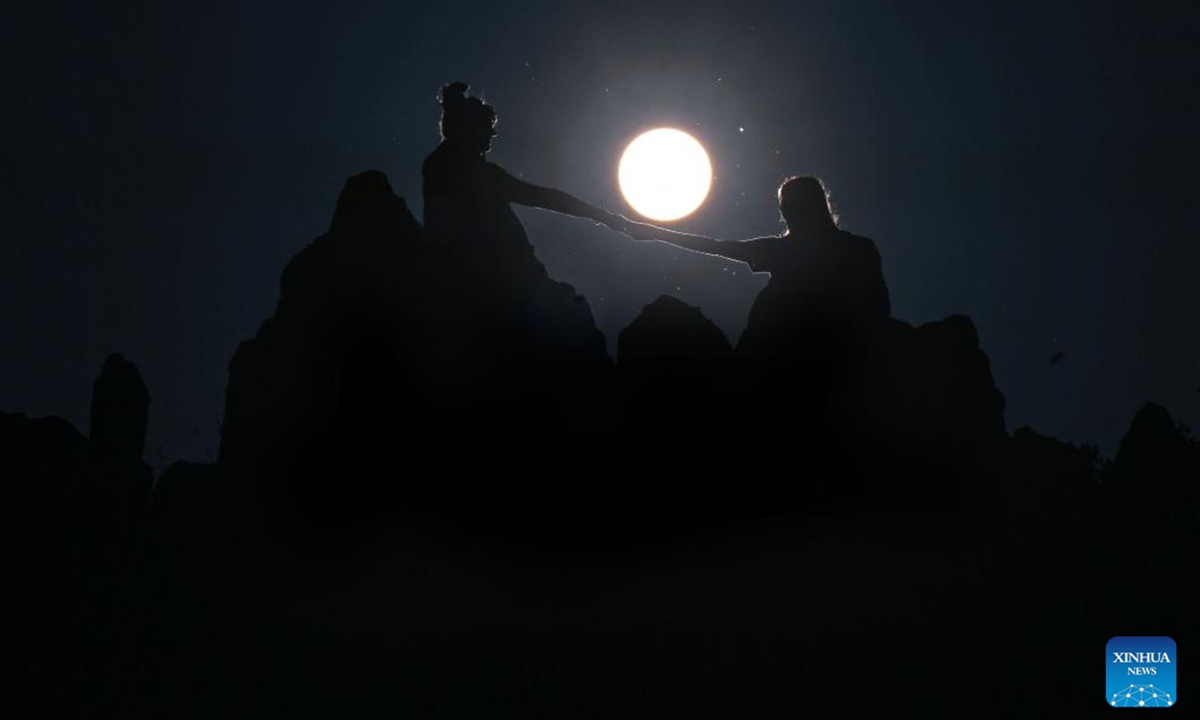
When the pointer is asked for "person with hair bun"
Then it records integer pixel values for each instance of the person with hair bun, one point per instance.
(467, 198)
(503, 316)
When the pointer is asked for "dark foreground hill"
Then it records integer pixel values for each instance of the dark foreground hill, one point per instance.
(436, 496)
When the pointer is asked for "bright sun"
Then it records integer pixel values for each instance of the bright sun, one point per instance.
(665, 174)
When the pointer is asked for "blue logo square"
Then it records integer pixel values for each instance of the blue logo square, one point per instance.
(1140, 672)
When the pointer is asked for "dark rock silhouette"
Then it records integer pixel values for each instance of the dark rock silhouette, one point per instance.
(120, 479)
(676, 376)
(120, 409)
(1045, 460)
(672, 340)
(435, 495)
(318, 400)
(383, 345)
(1156, 440)
(380, 347)
(76, 510)
(835, 380)
(392, 340)
(1156, 453)
(345, 290)
(54, 466)
(958, 393)
(192, 502)
(42, 458)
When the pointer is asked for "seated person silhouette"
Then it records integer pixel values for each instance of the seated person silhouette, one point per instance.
(826, 290)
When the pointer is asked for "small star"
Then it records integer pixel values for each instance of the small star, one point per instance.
(741, 129)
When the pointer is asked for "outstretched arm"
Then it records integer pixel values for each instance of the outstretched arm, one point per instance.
(739, 250)
(523, 193)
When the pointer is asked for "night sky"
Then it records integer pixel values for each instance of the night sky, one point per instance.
(1031, 165)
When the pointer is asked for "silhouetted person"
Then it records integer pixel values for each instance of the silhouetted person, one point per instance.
(823, 280)
(512, 311)
(467, 198)
(814, 327)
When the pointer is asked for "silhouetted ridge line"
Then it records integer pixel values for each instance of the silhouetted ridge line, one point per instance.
(407, 479)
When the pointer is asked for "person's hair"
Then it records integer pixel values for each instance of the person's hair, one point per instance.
(462, 116)
(804, 200)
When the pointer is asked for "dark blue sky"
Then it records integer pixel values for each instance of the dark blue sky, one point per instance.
(1028, 164)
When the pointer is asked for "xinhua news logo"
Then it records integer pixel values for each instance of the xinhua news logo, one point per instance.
(1141, 672)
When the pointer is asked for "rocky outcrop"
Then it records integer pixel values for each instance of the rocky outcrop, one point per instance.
(394, 373)
(53, 471)
(44, 461)
(120, 411)
(406, 443)
(1156, 455)
(386, 379)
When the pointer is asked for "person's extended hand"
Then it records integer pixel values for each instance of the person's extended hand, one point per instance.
(614, 221)
(642, 231)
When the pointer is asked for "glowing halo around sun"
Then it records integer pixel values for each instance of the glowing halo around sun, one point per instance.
(665, 174)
